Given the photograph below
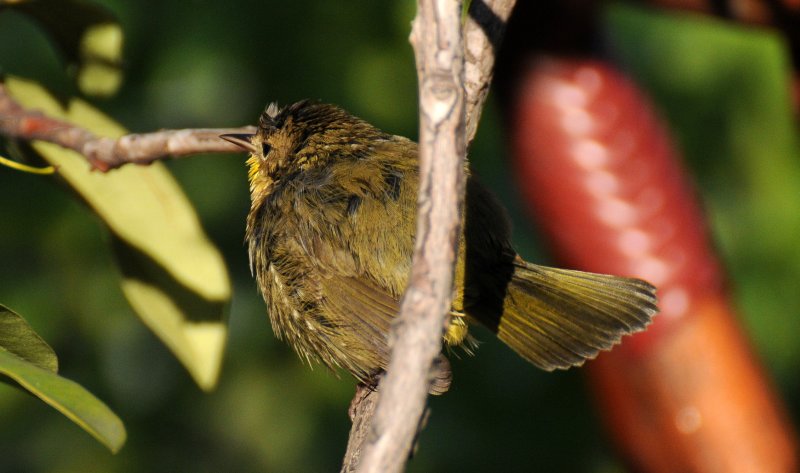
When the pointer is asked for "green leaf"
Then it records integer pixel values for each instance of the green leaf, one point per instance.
(174, 278)
(18, 338)
(88, 36)
(68, 397)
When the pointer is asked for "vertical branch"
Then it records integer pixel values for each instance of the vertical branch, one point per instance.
(483, 33)
(362, 408)
(416, 337)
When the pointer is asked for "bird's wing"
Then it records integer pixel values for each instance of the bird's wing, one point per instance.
(362, 309)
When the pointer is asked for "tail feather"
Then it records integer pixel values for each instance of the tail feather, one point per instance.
(558, 318)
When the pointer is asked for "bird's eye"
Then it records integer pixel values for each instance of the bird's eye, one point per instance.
(265, 147)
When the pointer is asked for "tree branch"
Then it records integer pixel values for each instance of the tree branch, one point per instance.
(105, 153)
(362, 408)
(483, 34)
(416, 338)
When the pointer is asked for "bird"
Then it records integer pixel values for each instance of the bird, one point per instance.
(330, 235)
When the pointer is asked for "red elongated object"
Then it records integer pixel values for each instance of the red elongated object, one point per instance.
(601, 176)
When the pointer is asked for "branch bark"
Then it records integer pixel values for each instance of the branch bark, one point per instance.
(362, 408)
(398, 406)
(483, 34)
(416, 336)
(105, 153)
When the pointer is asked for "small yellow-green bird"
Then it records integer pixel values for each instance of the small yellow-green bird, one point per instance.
(331, 233)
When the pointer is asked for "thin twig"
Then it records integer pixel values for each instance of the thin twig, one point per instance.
(483, 33)
(105, 153)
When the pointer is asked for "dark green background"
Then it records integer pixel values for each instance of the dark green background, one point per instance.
(204, 64)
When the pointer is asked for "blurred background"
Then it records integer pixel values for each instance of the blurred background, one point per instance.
(215, 64)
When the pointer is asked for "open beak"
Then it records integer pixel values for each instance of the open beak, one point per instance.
(242, 140)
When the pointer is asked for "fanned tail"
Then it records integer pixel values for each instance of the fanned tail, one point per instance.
(558, 318)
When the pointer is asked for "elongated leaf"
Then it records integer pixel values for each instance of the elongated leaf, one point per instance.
(68, 397)
(88, 37)
(18, 338)
(173, 276)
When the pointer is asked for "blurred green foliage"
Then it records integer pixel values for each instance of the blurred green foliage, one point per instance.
(87, 37)
(218, 64)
